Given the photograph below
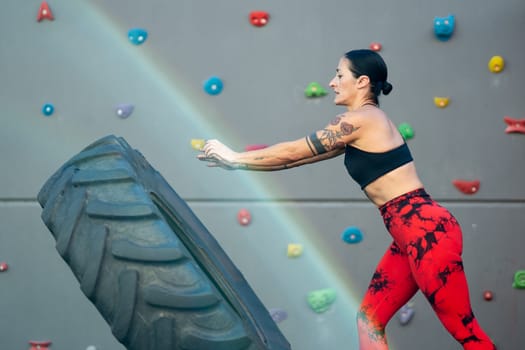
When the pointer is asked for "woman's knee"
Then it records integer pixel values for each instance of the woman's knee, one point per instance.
(369, 322)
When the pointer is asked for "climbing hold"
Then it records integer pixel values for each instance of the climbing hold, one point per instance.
(39, 345)
(352, 235)
(254, 147)
(91, 347)
(519, 279)
(514, 125)
(444, 27)
(197, 144)
(259, 18)
(315, 90)
(441, 102)
(3, 266)
(137, 36)
(487, 295)
(496, 64)
(405, 314)
(213, 86)
(406, 131)
(467, 186)
(294, 250)
(48, 109)
(244, 217)
(375, 46)
(278, 315)
(44, 12)
(124, 110)
(320, 300)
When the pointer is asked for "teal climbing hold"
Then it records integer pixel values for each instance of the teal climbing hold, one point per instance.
(321, 300)
(213, 86)
(314, 90)
(519, 279)
(406, 131)
(352, 235)
(137, 36)
(48, 109)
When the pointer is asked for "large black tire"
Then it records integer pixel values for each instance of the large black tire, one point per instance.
(144, 259)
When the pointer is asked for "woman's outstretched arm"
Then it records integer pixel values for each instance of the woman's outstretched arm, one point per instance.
(320, 145)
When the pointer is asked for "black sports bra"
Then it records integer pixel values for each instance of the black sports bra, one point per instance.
(365, 167)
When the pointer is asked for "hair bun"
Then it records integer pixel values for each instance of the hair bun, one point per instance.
(387, 87)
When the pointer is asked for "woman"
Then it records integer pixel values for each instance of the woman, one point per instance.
(427, 241)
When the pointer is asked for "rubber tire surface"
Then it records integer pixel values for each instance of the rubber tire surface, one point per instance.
(144, 259)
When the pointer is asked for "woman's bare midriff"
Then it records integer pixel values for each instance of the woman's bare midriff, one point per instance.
(393, 184)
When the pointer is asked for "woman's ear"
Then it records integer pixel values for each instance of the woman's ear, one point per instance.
(363, 81)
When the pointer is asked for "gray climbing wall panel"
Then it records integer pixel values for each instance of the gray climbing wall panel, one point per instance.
(83, 63)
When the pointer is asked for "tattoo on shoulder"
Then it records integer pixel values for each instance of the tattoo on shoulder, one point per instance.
(332, 138)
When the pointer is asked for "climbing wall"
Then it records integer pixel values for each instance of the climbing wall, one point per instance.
(166, 75)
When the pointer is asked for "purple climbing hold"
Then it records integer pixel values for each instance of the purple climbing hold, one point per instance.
(405, 314)
(124, 110)
(278, 315)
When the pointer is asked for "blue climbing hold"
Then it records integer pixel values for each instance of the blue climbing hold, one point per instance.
(48, 109)
(444, 27)
(137, 36)
(352, 235)
(124, 110)
(213, 86)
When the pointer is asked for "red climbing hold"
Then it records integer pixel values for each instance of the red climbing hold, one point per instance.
(375, 46)
(39, 345)
(487, 295)
(44, 12)
(244, 217)
(259, 18)
(514, 125)
(3, 266)
(467, 186)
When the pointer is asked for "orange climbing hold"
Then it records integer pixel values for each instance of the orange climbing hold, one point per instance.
(44, 12)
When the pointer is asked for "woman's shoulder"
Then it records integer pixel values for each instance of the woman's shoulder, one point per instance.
(372, 117)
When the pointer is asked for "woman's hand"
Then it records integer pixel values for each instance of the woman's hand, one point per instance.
(218, 154)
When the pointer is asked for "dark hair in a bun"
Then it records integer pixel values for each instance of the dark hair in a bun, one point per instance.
(370, 63)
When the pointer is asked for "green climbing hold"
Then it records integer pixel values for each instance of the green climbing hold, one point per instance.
(519, 279)
(314, 90)
(320, 300)
(406, 131)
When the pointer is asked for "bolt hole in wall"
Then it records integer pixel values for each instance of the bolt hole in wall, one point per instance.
(345, 247)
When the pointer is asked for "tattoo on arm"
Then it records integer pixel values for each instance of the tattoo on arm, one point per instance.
(330, 139)
(313, 141)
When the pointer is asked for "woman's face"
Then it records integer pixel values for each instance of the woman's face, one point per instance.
(344, 84)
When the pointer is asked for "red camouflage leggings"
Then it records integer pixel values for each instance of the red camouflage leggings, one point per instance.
(425, 255)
